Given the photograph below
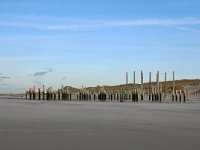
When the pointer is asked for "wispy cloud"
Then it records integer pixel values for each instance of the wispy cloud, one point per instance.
(42, 73)
(4, 77)
(183, 28)
(27, 58)
(107, 24)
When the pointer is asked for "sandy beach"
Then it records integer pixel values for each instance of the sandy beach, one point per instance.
(50, 125)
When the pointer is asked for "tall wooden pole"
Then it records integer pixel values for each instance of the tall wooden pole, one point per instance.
(126, 77)
(62, 92)
(173, 86)
(150, 86)
(43, 92)
(34, 93)
(39, 93)
(158, 84)
(173, 81)
(165, 84)
(134, 79)
(142, 87)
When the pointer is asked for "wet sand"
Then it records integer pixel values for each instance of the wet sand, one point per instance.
(51, 125)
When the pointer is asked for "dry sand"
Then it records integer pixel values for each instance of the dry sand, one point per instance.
(34, 125)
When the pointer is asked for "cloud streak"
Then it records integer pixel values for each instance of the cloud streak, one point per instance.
(27, 58)
(4, 77)
(42, 73)
(108, 24)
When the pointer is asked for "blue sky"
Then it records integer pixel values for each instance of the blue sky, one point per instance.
(94, 42)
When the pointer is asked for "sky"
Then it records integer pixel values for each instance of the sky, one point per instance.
(95, 42)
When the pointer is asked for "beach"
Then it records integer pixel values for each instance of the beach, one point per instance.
(83, 125)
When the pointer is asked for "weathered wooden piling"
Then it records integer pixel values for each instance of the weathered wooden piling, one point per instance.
(26, 95)
(133, 96)
(180, 96)
(62, 92)
(59, 94)
(153, 93)
(39, 94)
(184, 97)
(165, 83)
(158, 87)
(54, 95)
(161, 93)
(150, 91)
(134, 79)
(117, 96)
(126, 77)
(129, 96)
(30, 94)
(34, 93)
(173, 88)
(142, 87)
(43, 92)
(160, 96)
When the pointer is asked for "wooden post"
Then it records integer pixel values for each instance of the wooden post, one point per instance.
(161, 94)
(58, 94)
(173, 89)
(134, 92)
(150, 86)
(62, 92)
(43, 93)
(184, 97)
(134, 79)
(155, 93)
(137, 97)
(26, 95)
(142, 87)
(39, 96)
(54, 95)
(34, 93)
(126, 77)
(157, 86)
(30, 93)
(180, 96)
(133, 96)
(165, 88)
(47, 94)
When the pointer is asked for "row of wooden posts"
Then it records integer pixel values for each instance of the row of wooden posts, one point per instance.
(102, 96)
(32, 95)
(155, 93)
